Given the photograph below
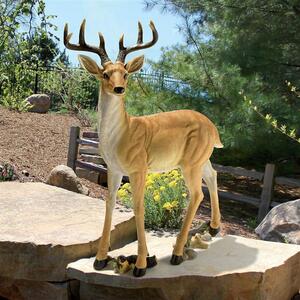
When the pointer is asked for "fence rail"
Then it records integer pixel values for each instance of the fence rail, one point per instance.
(159, 79)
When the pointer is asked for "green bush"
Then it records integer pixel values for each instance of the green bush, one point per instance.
(16, 88)
(7, 172)
(70, 89)
(165, 199)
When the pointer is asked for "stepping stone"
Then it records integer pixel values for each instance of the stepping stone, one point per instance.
(232, 267)
(43, 228)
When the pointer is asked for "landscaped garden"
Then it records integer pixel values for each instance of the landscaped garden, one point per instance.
(239, 69)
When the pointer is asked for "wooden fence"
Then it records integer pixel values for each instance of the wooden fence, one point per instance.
(84, 159)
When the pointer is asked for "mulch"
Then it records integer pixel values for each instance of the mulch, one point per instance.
(34, 142)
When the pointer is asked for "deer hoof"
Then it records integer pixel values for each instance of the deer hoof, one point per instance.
(139, 272)
(212, 231)
(100, 264)
(151, 261)
(176, 260)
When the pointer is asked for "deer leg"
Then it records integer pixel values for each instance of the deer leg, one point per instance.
(193, 180)
(210, 178)
(137, 181)
(114, 181)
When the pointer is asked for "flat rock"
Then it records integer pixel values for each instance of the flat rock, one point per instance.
(231, 268)
(43, 228)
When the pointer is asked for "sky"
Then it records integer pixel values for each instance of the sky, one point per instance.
(112, 18)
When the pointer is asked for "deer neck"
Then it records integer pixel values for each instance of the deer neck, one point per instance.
(113, 120)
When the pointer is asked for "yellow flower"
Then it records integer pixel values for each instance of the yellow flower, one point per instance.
(126, 186)
(162, 188)
(170, 205)
(122, 193)
(174, 173)
(184, 195)
(149, 182)
(155, 175)
(174, 204)
(157, 197)
(167, 206)
(172, 183)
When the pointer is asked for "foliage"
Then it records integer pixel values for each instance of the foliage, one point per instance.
(282, 128)
(71, 89)
(250, 46)
(26, 44)
(13, 93)
(88, 118)
(165, 199)
(7, 172)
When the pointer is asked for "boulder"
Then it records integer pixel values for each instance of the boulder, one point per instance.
(64, 177)
(282, 223)
(40, 103)
(43, 228)
(232, 267)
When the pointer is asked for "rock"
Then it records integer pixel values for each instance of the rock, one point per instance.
(232, 267)
(25, 173)
(282, 223)
(19, 289)
(64, 177)
(43, 228)
(40, 103)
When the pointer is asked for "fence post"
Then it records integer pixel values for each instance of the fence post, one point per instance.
(73, 147)
(267, 192)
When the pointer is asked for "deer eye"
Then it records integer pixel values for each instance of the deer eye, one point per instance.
(105, 76)
(125, 75)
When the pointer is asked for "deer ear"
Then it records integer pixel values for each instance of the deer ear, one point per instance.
(90, 65)
(135, 64)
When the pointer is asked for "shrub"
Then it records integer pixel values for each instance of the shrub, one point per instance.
(7, 172)
(165, 199)
(15, 89)
(15, 103)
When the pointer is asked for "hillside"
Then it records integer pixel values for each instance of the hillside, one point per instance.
(34, 142)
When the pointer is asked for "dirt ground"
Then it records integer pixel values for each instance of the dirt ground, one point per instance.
(35, 143)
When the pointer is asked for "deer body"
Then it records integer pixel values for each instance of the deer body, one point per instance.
(134, 146)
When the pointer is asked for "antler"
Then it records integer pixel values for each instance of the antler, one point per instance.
(83, 46)
(123, 51)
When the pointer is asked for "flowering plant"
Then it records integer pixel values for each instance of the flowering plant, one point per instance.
(165, 199)
(6, 172)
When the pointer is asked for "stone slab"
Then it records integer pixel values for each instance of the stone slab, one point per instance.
(43, 228)
(19, 289)
(231, 268)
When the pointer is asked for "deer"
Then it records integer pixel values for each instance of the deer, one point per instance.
(134, 146)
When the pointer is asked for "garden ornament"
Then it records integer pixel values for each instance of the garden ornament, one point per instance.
(134, 146)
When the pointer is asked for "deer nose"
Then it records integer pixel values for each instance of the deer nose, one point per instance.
(119, 90)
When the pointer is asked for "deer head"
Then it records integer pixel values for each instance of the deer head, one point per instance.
(113, 76)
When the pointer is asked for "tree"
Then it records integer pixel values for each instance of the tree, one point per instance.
(231, 46)
(27, 45)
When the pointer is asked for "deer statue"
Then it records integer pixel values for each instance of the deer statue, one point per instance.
(134, 146)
